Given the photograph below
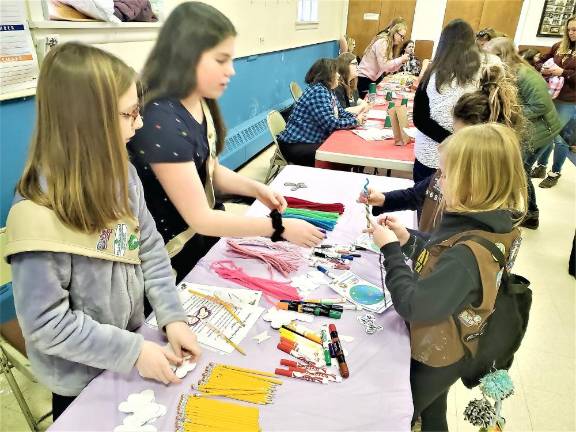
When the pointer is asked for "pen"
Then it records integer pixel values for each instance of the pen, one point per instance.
(226, 338)
(339, 354)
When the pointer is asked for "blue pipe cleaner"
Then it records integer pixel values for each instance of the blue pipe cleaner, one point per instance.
(497, 385)
(329, 226)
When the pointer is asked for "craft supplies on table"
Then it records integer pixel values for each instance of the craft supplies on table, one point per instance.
(320, 219)
(201, 413)
(294, 202)
(361, 292)
(214, 325)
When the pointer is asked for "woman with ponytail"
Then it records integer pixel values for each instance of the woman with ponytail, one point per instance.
(495, 101)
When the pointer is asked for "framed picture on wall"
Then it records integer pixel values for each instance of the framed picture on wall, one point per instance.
(554, 16)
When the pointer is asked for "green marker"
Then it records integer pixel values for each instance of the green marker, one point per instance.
(327, 357)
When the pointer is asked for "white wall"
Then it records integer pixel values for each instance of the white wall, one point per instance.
(528, 25)
(262, 26)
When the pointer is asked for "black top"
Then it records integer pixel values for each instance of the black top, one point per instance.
(170, 135)
(342, 96)
(455, 281)
(422, 118)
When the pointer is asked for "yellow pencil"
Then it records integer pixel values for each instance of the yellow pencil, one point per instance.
(226, 338)
(219, 301)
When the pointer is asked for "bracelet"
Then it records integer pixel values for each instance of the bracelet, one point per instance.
(276, 217)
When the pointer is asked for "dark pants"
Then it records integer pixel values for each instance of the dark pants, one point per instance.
(421, 171)
(299, 153)
(363, 86)
(59, 404)
(193, 251)
(530, 157)
(430, 388)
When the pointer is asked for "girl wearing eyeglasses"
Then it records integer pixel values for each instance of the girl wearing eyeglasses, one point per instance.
(347, 91)
(83, 247)
(382, 56)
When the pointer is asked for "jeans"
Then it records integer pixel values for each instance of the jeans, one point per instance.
(530, 157)
(566, 111)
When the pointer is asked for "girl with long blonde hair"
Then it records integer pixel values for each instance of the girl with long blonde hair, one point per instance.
(83, 247)
(382, 56)
(455, 279)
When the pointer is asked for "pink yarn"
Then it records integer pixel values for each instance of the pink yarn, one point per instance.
(226, 269)
(286, 260)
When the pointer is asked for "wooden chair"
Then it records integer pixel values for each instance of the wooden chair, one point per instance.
(276, 125)
(295, 90)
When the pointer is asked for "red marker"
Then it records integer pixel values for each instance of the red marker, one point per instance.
(339, 354)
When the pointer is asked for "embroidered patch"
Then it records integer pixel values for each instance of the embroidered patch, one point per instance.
(103, 240)
(499, 278)
(121, 239)
(421, 260)
(133, 242)
(469, 318)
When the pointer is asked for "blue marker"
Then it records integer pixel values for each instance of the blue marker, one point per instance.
(326, 272)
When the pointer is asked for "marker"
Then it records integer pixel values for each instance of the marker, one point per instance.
(288, 349)
(315, 310)
(325, 271)
(314, 370)
(327, 356)
(304, 331)
(301, 374)
(336, 307)
(326, 301)
(339, 354)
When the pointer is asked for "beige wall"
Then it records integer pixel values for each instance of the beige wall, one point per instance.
(262, 25)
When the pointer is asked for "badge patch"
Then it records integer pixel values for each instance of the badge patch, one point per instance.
(121, 239)
(469, 318)
(103, 240)
(514, 248)
(421, 261)
(133, 242)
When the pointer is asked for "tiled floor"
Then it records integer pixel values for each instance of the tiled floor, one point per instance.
(544, 368)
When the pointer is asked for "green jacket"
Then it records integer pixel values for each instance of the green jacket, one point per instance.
(538, 108)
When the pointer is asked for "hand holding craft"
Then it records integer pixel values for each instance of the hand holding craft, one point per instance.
(270, 198)
(181, 338)
(400, 230)
(154, 362)
(373, 198)
(381, 234)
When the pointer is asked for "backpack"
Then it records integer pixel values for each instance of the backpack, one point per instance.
(506, 326)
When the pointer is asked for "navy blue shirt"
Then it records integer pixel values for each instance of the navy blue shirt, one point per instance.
(170, 135)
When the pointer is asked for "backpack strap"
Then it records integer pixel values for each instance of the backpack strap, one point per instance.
(516, 284)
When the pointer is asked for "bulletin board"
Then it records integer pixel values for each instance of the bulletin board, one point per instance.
(554, 16)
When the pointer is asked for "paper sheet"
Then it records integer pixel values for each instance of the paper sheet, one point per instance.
(361, 292)
(376, 114)
(200, 309)
(18, 63)
(374, 134)
(366, 242)
(410, 131)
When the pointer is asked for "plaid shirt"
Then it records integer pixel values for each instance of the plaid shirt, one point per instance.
(315, 116)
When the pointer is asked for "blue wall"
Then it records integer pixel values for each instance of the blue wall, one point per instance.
(261, 84)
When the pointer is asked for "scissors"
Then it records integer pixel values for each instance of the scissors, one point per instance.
(296, 186)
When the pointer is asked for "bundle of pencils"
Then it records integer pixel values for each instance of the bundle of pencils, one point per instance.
(199, 413)
(238, 383)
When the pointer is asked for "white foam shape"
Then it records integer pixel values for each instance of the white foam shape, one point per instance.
(133, 421)
(144, 428)
(261, 337)
(345, 338)
(187, 366)
(277, 317)
(125, 407)
(148, 395)
(150, 411)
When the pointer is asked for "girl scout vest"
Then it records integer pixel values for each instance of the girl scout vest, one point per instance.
(35, 228)
(177, 243)
(443, 343)
(430, 216)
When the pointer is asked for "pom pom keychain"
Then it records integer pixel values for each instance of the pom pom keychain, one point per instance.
(480, 412)
(497, 385)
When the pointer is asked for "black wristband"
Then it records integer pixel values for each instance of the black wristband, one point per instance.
(276, 217)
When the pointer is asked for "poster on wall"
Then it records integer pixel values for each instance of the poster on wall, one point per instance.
(18, 63)
(554, 16)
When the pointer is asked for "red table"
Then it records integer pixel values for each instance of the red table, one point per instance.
(345, 147)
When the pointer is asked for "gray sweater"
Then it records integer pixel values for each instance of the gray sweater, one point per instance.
(78, 313)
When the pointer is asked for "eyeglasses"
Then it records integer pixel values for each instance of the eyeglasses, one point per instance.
(132, 115)
(354, 62)
(401, 36)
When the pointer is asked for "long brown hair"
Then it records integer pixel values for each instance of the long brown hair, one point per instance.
(343, 64)
(77, 146)
(566, 44)
(322, 71)
(457, 56)
(495, 101)
(505, 49)
(170, 70)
